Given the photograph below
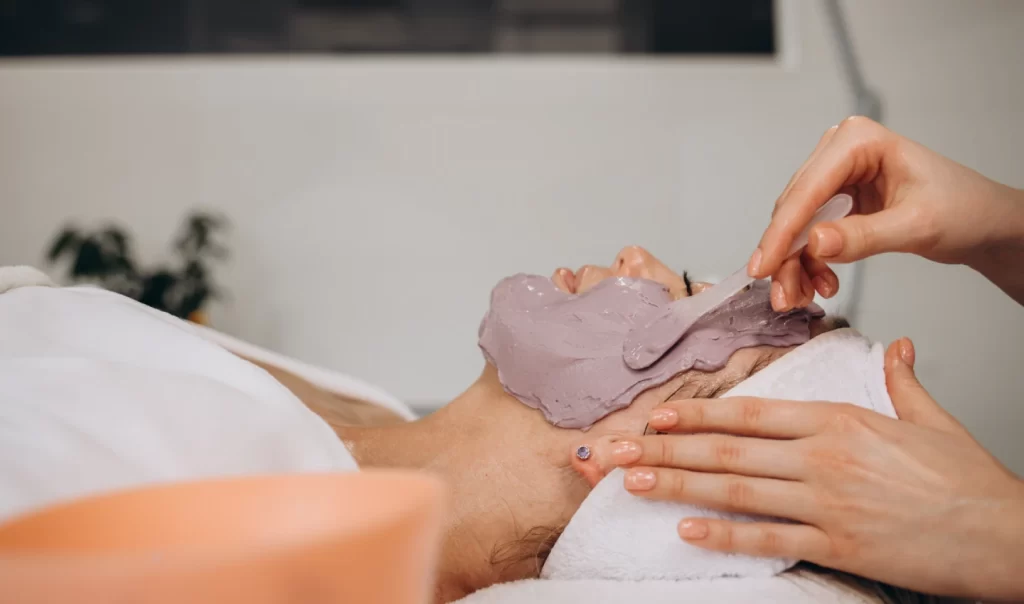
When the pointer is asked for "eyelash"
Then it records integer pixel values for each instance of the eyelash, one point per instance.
(686, 281)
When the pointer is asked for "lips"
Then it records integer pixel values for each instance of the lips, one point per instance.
(565, 280)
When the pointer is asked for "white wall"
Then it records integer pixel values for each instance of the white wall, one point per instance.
(376, 201)
(952, 77)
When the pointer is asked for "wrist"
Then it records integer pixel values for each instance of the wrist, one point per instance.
(999, 548)
(1006, 225)
(1000, 254)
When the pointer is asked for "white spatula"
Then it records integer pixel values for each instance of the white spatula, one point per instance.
(649, 342)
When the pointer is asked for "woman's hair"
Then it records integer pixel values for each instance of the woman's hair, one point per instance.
(529, 552)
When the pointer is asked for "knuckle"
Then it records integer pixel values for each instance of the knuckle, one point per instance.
(831, 458)
(837, 505)
(847, 419)
(737, 494)
(767, 542)
(856, 121)
(751, 410)
(727, 452)
(801, 188)
(841, 548)
(666, 451)
(676, 483)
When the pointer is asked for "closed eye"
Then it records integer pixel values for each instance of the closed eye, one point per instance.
(686, 281)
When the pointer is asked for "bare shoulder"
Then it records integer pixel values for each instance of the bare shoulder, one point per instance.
(333, 408)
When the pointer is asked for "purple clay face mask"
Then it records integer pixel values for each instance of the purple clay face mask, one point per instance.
(562, 353)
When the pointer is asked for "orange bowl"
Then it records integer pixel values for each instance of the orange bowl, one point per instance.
(362, 537)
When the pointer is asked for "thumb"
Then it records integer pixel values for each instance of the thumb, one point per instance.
(858, 236)
(911, 401)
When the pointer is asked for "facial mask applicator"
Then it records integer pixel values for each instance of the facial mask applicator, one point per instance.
(647, 343)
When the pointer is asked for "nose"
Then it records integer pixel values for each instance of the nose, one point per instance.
(635, 262)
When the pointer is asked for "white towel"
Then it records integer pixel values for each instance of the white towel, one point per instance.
(99, 392)
(616, 535)
(12, 277)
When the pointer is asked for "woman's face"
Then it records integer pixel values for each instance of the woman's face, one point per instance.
(532, 455)
(633, 261)
(638, 263)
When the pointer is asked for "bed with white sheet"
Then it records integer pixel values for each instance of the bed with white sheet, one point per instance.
(616, 548)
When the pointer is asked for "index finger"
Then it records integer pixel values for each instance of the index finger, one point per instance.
(748, 416)
(850, 155)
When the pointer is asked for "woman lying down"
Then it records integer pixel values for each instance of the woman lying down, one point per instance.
(100, 393)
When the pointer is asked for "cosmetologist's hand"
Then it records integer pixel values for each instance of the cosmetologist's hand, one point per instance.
(917, 503)
(907, 198)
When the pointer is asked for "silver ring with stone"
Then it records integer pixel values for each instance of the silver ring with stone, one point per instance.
(583, 452)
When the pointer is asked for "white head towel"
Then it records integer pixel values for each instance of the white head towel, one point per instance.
(616, 535)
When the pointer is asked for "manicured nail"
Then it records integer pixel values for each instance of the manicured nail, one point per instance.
(823, 287)
(640, 480)
(778, 295)
(907, 351)
(625, 452)
(892, 363)
(693, 529)
(830, 243)
(663, 419)
(754, 266)
(806, 289)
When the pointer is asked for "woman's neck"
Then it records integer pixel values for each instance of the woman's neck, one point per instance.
(490, 501)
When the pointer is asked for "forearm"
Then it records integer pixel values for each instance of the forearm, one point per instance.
(997, 552)
(1001, 260)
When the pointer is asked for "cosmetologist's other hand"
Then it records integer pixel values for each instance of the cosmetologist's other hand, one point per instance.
(907, 198)
(915, 502)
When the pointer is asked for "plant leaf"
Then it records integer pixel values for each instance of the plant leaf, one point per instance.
(66, 241)
(90, 261)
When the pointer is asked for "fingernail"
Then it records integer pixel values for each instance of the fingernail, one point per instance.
(833, 282)
(823, 287)
(778, 296)
(693, 529)
(907, 351)
(754, 266)
(829, 241)
(625, 452)
(663, 419)
(806, 289)
(892, 363)
(640, 480)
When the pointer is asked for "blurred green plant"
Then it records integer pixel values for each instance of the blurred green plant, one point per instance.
(105, 257)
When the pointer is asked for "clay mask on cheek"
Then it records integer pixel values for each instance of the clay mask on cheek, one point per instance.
(562, 353)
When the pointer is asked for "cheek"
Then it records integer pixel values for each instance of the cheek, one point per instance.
(633, 419)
